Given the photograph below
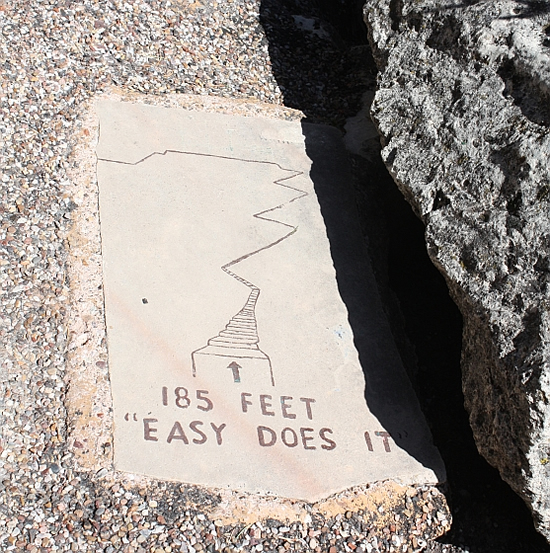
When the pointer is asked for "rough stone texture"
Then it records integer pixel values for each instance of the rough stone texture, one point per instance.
(462, 107)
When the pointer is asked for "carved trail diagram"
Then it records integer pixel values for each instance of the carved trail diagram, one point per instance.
(239, 340)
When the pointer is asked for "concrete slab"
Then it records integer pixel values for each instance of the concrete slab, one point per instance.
(242, 316)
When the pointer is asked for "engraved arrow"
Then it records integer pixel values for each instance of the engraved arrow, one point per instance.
(235, 368)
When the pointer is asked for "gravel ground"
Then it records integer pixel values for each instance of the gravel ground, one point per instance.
(55, 56)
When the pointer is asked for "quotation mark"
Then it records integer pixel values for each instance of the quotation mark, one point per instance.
(129, 416)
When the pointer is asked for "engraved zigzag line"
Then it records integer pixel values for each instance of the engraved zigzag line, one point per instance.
(259, 215)
(230, 338)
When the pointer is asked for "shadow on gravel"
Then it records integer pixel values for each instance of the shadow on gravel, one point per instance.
(323, 65)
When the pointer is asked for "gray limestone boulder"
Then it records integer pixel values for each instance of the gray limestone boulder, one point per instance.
(463, 110)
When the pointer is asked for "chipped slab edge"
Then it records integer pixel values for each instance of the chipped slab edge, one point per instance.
(88, 400)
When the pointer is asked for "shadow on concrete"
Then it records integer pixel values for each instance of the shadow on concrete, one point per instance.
(388, 393)
(322, 73)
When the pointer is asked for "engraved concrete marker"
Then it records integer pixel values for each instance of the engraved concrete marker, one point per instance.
(233, 362)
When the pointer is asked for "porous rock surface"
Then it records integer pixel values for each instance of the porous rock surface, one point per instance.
(463, 110)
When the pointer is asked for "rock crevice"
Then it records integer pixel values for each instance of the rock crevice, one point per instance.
(462, 108)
